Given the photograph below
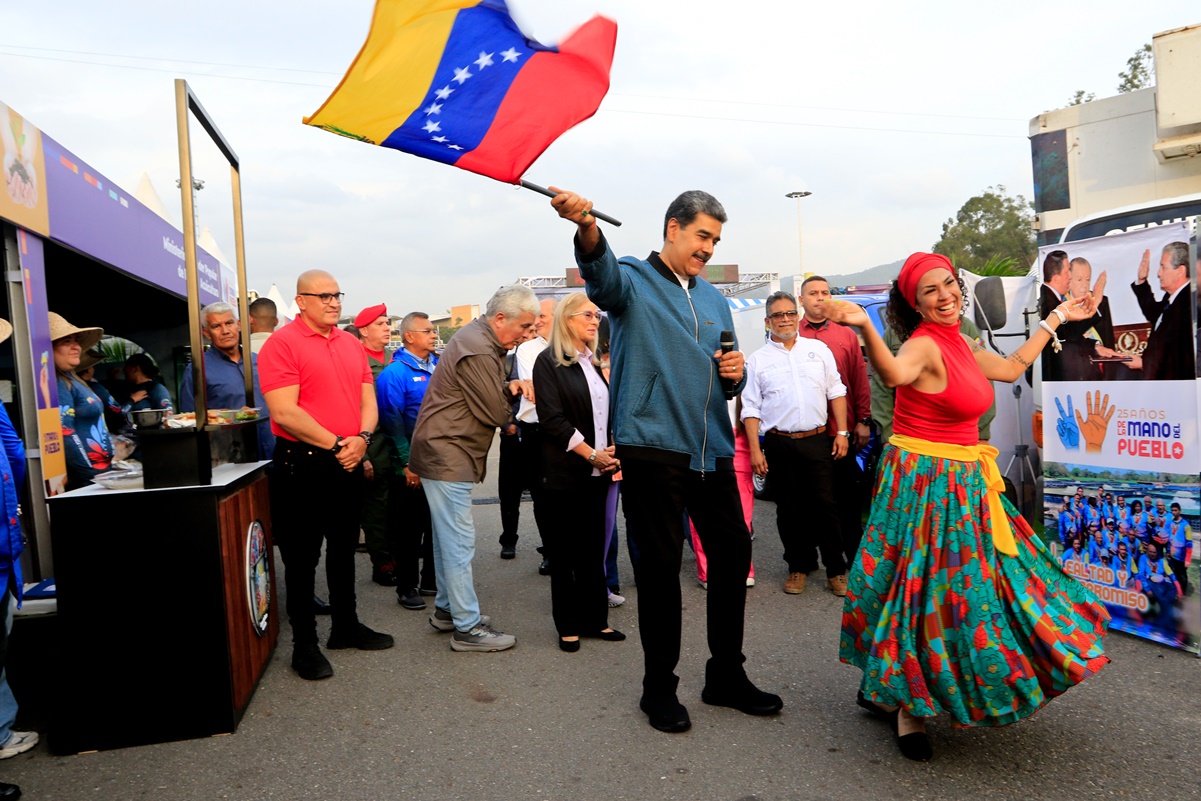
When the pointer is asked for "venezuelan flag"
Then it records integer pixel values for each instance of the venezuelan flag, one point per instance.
(457, 81)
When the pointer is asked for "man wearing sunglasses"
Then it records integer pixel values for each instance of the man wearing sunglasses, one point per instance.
(318, 387)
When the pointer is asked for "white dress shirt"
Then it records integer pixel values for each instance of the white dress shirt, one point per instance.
(527, 354)
(598, 390)
(788, 389)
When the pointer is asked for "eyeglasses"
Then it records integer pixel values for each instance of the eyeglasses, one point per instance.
(420, 331)
(788, 315)
(326, 298)
(587, 315)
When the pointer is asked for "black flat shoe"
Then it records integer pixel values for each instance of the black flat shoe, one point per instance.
(611, 636)
(877, 710)
(570, 646)
(915, 746)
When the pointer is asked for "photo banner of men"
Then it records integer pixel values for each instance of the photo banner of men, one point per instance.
(1121, 442)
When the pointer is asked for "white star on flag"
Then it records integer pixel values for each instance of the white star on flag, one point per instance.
(511, 54)
(439, 139)
(432, 127)
(485, 60)
(461, 75)
(444, 92)
(434, 108)
(454, 147)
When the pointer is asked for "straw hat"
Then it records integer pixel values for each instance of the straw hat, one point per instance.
(6, 329)
(90, 358)
(59, 328)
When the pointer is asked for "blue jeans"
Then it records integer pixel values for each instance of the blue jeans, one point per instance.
(8, 704)
(454, 548)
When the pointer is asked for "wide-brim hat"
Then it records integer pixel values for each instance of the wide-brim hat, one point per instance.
(59, 328)
(6, 330)
(90, 358)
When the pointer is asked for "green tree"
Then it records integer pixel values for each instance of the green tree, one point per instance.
(1081, 97)
(990, 226)
(1138, 74)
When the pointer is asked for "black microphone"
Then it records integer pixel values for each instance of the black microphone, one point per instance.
(727, 345)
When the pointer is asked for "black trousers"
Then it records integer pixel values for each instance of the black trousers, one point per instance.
(575, 544)
(655, 495)
(802, 476)
(528, 475)
(316, 501)
(509, 485)
(1180, 569)
(848, 501)
(415, 538)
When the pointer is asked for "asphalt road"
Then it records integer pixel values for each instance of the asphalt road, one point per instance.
(422, 722)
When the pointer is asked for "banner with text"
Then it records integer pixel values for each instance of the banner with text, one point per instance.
(1122, 444)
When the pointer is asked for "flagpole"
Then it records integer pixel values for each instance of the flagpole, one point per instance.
(542, 190)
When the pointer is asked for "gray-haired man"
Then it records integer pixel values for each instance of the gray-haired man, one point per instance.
(466, 402)
(224, 384)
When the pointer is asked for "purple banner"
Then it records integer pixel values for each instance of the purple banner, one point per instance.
(95, 216)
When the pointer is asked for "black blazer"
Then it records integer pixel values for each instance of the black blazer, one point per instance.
(1169, 354)
(1074, 362)
(564, 407)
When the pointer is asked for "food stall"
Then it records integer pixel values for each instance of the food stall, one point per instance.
(166, 615)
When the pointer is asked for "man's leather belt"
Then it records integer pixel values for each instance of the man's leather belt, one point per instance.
(798, 434)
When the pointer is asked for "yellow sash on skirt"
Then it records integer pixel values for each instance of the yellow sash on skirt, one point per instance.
(986, 455)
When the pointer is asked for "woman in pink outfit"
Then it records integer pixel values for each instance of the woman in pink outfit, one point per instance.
(746, 490)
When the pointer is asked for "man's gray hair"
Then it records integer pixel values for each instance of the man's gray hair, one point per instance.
(1179, 251)
(219, 307)
(513, 300)
(687, 206)
(406, 324)
(779, 295)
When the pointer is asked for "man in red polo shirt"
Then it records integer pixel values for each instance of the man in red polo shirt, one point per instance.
(842, 340)
(318, 387)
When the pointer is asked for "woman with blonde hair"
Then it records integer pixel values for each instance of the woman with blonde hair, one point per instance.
(573, 410)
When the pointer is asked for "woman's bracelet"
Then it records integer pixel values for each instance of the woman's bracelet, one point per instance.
(1056, 344)
(1063, 318)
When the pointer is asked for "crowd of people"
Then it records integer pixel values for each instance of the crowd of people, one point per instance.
(953, 606)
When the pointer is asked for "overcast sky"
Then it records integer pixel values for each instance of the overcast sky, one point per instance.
(891, 117)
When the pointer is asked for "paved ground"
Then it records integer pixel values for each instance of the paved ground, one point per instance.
(422, 722)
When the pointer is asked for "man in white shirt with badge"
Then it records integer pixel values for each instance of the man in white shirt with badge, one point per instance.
(789, 382)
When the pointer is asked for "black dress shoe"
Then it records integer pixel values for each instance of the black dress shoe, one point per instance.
(743, 696)
(359, 637)
(427, 591)
(385, 574)
(612, 636)
(508, 552)
(309, 663)
(411, 600)
(9, 792)
(570, 646)
(666, 713)
(544, 568)
(320, 607)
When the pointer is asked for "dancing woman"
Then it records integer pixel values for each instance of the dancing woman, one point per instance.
(954, 605)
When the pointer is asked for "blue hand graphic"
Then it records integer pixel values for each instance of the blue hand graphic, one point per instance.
(1069, 432)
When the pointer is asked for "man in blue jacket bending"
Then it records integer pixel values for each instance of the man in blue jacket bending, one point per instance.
(669, 386)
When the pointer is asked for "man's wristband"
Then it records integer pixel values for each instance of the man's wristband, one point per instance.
(366, 435)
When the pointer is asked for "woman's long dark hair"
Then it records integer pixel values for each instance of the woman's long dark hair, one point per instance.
(146, 366)
(902, 318)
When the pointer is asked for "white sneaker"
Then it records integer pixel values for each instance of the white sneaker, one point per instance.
(616, 600)
(750, 581)
(704, 585)
(481, 638)
(18, 743)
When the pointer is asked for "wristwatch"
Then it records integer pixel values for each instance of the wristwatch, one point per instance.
(865, 421)
(337, 445)
(846, 434)
(366, 435)
(592, 457)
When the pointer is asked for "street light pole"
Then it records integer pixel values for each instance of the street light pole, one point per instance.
(800, 239)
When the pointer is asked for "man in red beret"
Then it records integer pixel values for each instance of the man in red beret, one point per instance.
(375, 333)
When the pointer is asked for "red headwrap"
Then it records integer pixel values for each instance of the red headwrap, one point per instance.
(369, 315)
(915, 267)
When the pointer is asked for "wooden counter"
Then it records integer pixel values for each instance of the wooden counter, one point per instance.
(159, 640)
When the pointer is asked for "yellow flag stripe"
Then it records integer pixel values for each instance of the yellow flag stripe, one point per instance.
(391, 75)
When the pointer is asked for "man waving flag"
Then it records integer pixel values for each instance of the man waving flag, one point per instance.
(458, 82)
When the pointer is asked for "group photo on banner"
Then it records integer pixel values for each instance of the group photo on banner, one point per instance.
(1121, 450)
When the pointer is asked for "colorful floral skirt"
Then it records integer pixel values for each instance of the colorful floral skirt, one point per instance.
(941, 622)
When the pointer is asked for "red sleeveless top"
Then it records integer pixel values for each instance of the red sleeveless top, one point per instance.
(953, 415)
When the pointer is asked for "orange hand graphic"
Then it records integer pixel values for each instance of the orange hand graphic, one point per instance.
(1093, 431)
